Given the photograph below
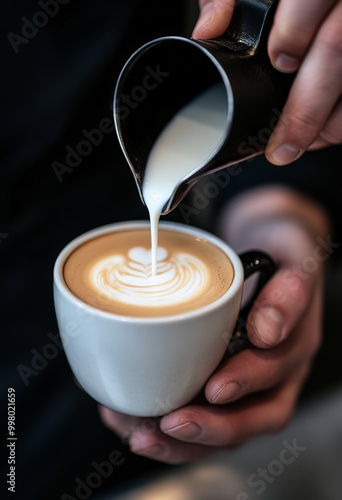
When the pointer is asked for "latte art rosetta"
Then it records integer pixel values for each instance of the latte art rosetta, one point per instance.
(129, 279)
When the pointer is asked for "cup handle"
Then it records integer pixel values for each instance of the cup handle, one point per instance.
(253, 261)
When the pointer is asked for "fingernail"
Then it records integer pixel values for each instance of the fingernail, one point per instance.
(187, 430)
(269, 325)
(154, 451)
(229, 392)
(206, 15)
(287, 63)
(286, 153)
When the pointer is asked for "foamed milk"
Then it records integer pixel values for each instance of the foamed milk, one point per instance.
(113, 272)
(129, 273)
(183, 146)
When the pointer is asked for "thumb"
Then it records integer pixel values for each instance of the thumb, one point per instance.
(279, 307)
(214, 18)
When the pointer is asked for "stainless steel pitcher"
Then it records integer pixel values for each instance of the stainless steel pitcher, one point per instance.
(165, 74)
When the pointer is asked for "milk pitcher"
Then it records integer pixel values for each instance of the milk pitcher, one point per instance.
(165, 74)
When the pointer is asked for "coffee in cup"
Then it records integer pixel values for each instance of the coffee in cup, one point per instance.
(129, 352)
(113, 272)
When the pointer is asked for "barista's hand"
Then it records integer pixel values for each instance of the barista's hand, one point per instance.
(306, 36)
(255, 391)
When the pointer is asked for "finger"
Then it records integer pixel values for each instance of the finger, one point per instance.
(214, 18)
(332, 130)
(159, 446)
(256, 370)
(123, 425)
(235, 423)
(279, 306)
(313, 96)
(146, 439)
(295, 25)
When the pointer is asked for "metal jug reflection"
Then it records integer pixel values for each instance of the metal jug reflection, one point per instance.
(168, 73)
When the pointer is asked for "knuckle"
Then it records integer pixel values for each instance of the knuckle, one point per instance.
(305, 120)
(304, 127)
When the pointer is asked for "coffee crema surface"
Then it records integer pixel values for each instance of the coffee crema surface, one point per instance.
(113, 272)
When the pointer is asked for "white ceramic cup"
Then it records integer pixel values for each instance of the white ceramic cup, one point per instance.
(145, 366)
